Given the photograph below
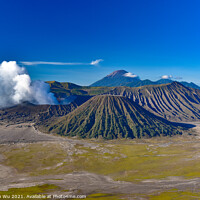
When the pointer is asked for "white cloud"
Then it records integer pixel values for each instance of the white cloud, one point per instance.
(166, 76)
(47, 63)
(29, 63)
(96, 62)
(129, 74)
(171, 77)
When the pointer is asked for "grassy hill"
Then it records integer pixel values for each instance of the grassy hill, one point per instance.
(110, 117)
(64, 89)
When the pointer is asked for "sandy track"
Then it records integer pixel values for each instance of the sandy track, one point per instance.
(93, 183)
(27, 133)
(21, 133)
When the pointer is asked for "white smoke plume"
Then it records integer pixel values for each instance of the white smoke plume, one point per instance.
(16, 87)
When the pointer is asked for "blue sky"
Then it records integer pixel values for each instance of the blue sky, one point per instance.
(148, 38)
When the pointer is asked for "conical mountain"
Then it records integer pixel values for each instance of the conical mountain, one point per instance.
(112, 117)
(117, 74)
(117, 78)
(173, 101)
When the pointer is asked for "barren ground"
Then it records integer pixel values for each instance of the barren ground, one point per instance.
(157, 168)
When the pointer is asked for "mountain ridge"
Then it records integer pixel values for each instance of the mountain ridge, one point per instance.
(172, 101)
(28, 112)
(118, 78)
(182, 105)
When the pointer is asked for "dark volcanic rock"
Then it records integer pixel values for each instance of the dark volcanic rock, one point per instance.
(27, 112)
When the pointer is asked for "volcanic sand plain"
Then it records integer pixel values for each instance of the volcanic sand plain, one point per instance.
(157, 168)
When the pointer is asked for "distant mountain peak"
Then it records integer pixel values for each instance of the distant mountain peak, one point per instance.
(117, 78)
(117, 73)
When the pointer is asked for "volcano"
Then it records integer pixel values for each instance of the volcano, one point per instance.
(117, 78)
(111, 117)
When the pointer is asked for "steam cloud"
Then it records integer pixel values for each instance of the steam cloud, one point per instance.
(17, 87)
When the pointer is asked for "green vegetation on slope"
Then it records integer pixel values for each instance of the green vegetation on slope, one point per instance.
(64, 89)
(172, 101)
(112, 117)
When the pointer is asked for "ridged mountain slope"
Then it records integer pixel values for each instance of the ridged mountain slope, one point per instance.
(173, 101)
(112, 117)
